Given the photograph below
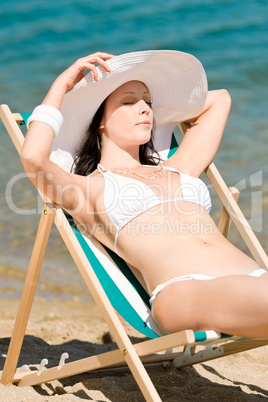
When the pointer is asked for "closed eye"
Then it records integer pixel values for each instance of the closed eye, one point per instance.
(134, 101)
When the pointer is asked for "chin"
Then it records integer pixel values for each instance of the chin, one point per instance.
(144, 139)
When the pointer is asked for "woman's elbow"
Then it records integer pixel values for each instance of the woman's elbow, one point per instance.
(224, 97)
(31, 162)
(218, 96)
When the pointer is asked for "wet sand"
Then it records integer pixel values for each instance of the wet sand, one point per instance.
(77, 327)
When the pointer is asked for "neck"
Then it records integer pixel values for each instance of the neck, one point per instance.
(117, 157)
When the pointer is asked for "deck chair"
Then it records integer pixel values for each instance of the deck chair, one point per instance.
(114, 287)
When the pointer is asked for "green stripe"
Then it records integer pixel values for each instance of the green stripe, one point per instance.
(200, 336)
(25, 117)
(173, 146)
(225, 336)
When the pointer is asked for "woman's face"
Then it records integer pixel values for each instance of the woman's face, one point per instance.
(128, 116)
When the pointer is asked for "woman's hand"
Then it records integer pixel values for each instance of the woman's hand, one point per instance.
(70, 77)
(76, 71)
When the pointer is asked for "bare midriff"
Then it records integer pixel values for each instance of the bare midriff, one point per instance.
(175, 239)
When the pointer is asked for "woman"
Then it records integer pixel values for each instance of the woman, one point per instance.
(153, 215)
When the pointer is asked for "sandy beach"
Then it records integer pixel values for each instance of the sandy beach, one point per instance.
(77, 327)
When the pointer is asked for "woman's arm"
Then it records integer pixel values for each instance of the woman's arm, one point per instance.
(62, 187)
(201, 141)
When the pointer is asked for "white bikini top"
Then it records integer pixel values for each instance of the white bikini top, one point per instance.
(126, 198)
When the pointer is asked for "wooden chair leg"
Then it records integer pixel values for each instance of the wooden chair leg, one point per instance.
(28, 295)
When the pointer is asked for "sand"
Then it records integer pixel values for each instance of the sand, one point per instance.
(77, 327)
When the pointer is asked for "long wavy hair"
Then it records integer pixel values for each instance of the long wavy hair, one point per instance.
(89, 154)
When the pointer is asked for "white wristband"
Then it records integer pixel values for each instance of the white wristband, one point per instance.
(49, 115)
(45, 118)
(51, 111)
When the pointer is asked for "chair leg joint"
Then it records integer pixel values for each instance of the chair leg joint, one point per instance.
(189, 358)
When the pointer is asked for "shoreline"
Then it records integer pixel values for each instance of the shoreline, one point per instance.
(76, 327)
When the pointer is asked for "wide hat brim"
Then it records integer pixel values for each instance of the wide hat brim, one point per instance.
(177, 84)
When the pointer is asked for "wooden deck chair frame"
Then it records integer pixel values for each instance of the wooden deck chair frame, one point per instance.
(137, 355)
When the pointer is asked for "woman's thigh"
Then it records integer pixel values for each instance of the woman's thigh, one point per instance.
(235, 305)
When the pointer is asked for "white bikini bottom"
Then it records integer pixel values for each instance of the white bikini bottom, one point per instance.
(161, 286)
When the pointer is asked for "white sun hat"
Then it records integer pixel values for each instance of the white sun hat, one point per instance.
(178, 88)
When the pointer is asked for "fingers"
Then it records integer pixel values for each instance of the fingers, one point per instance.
(100, 58)
(76, 71)
(103, 55)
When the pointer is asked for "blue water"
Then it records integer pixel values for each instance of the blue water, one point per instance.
(38, 39)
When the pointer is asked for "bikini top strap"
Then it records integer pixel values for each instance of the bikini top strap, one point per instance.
(101, 169)
(171, 169)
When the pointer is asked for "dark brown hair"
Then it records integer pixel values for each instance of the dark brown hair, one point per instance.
(89, 154)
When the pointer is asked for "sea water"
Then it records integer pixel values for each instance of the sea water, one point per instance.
(39, 39)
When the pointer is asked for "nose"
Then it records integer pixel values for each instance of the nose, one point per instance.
(144, 107)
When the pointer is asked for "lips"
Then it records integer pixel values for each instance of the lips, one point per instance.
(144, 122)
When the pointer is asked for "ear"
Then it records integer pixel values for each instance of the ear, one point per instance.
(101, 125)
